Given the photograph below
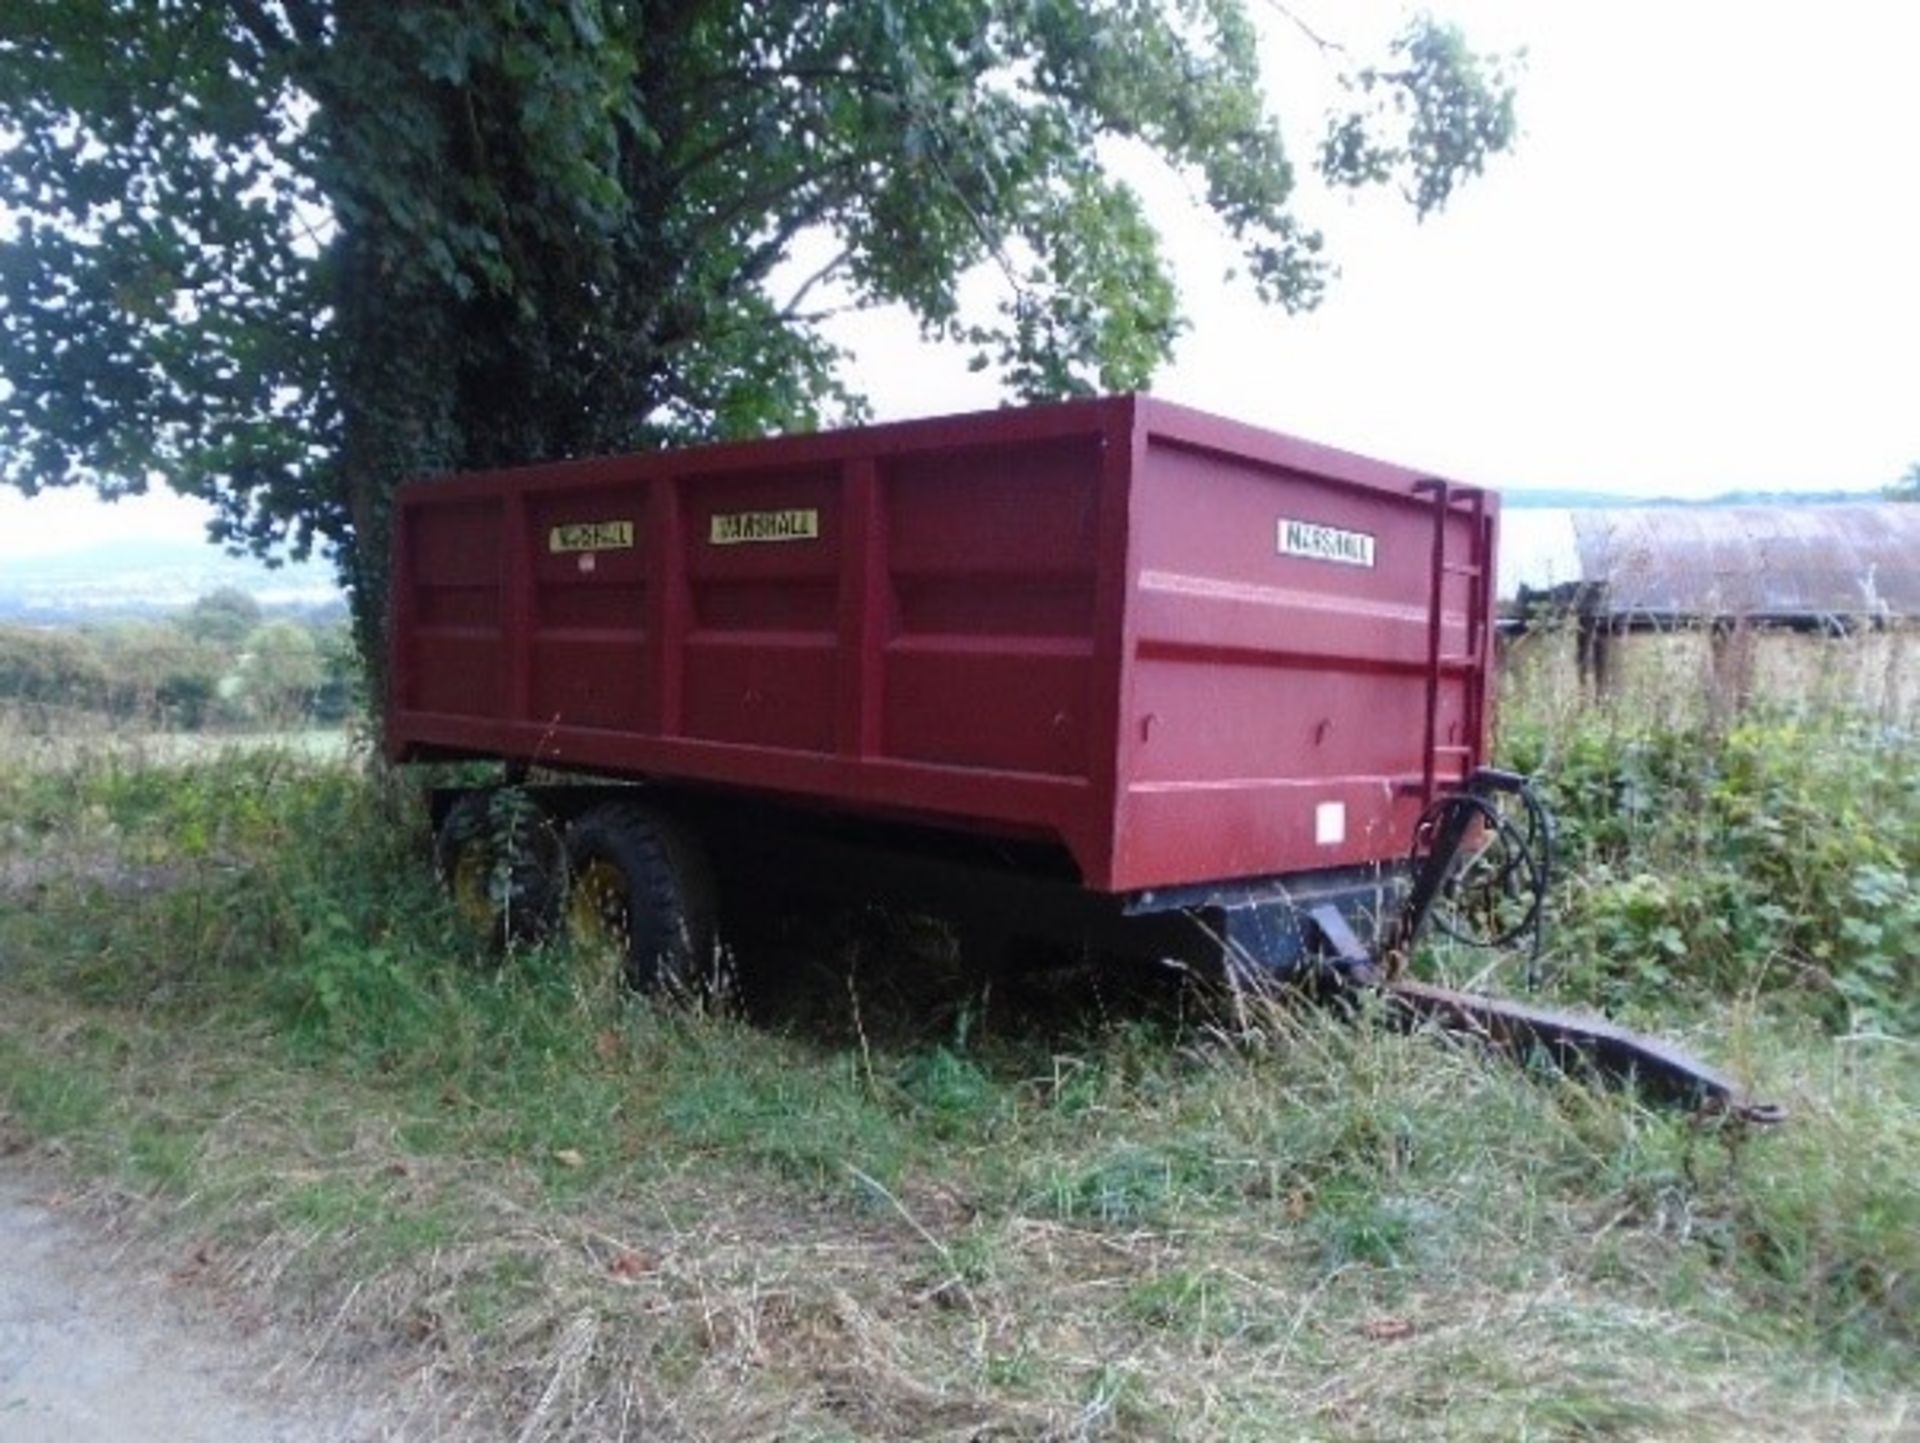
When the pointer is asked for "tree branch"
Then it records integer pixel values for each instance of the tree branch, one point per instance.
(765, 198)
(1292, 17)
(791, 310)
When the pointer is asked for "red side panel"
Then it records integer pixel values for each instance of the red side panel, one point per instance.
(455, 619)
(586, 615)
(1278, 656)
(899, 619)
(760, 658)
(1082, 622)
(990, 560)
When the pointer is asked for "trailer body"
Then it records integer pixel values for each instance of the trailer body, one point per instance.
(1112, 676)
(1182, 649)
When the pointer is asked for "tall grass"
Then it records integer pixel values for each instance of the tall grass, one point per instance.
(229, 985)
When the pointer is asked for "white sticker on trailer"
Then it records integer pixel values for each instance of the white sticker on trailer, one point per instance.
(1330, 824)
(1323, 543)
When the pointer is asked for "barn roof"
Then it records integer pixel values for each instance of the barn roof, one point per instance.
(1788, 563)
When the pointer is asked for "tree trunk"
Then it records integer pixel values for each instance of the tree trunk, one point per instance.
(396, 317)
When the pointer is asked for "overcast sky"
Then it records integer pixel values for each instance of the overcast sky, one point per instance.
(1699, 272)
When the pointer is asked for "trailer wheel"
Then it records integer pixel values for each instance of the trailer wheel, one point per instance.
(503, 864)
(642, 890)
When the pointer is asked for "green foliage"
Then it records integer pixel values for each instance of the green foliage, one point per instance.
(1831, 1235)
(951, 1092)
(214, 664)
(284, 255)
(223, 617)
(1443, 141)
(341, 692)
(280, 671)
(52, 1100)
(1133, 1184)
(1199, 1303)
(159, 674)
(802, 1125)
(51, 669)
(1357, 1225)
(1776, 858)
(347, 984)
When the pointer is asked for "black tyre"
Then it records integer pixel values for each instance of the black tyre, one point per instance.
(503, 863)
(641, 890)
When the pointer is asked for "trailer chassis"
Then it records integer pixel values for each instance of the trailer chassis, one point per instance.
(1344, 932)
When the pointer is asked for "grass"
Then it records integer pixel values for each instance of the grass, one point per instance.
(231, 997)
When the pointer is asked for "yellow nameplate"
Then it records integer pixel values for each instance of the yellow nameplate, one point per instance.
(591, 536)
(735, 527)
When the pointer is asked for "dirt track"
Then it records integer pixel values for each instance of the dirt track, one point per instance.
(93, 1348)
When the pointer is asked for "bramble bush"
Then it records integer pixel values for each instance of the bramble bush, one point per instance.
(1775, 858)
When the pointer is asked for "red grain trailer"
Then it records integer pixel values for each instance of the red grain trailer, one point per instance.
(1111, 671)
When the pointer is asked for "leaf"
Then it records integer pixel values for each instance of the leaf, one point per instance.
(628, 1265)
(1387, 1329)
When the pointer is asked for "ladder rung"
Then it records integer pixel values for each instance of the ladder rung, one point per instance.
(1442, 761)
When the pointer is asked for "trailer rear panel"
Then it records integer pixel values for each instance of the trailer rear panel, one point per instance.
(1185, 650)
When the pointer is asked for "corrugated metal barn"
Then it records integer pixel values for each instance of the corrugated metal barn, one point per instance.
(1751, 592)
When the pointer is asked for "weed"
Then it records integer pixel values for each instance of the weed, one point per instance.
(805, 1125)
(51, 1098)
(160, 1157)
(1358, 1225)
(1132, 1184)
(1183, 1300)
(950, 1094)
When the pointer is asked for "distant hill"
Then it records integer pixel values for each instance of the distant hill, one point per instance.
(1547, 498)
(141, 578)
(144, 578)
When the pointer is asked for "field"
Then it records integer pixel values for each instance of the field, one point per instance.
(237, 1016)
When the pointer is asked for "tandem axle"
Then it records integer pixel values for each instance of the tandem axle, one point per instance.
(650, 867)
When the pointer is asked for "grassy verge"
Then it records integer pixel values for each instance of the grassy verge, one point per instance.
(228, 990)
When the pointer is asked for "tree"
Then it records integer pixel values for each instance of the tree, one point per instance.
(223, 617)
(284, 253)
(159, 673)
(1907, 488)
(51, 669)
(280, 671)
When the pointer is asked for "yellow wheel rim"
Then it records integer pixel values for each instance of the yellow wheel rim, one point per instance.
(472, 888)
(597, 908)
